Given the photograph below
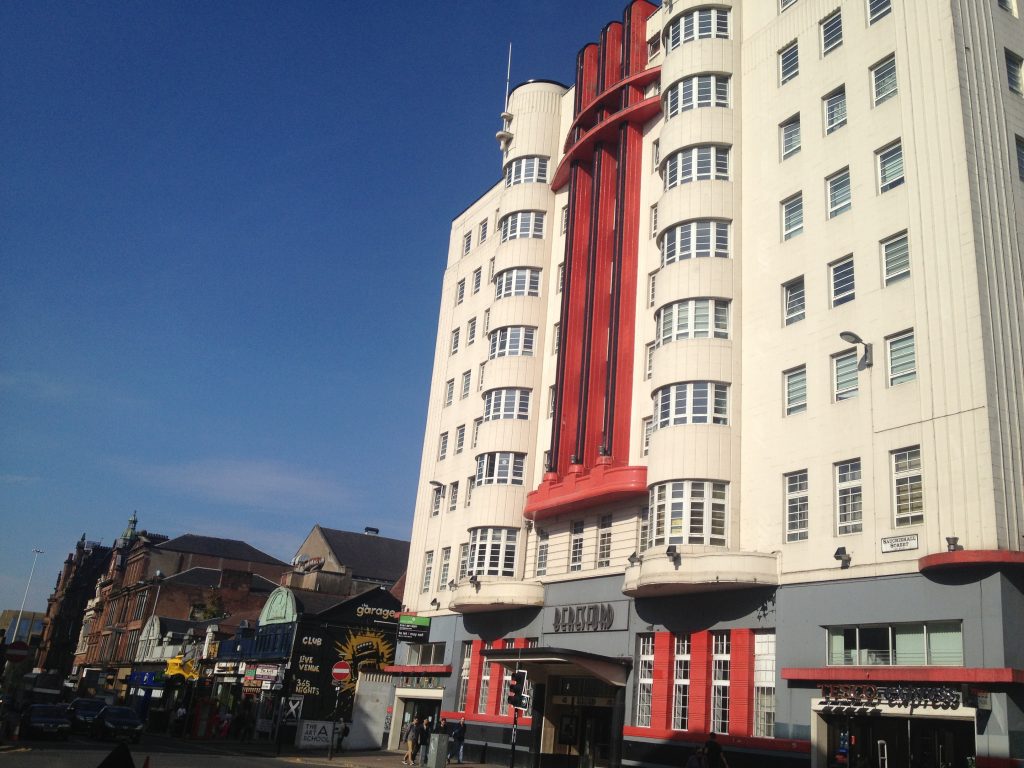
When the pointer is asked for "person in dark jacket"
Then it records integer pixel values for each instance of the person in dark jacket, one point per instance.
(411, 738)
(458, 741)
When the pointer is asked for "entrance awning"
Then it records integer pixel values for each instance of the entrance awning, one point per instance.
(613, 670)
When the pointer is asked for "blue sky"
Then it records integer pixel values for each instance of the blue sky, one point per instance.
(223, 228)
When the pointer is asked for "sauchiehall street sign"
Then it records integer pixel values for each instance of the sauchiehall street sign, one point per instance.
(589, 617)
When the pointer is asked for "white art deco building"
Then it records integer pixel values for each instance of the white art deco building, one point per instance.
(725, 423)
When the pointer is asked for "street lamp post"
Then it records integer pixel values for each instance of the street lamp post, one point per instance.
(17, 624)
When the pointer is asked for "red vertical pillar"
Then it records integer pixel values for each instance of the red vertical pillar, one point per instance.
(741, 682)
(664, 674)
(700, 681)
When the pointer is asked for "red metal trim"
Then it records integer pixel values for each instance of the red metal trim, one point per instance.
(427, 670)
(602, 485)
(733, 742)
(997, 762)
(609, 98)
(583, 149)
(962, 558)
(993, 675)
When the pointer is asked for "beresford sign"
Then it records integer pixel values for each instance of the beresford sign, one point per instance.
(891, 694)
(585, 617)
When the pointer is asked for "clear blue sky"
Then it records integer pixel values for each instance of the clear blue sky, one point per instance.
(223, 227)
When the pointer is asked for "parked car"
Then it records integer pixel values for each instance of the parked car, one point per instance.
(41, 720)
(118, 723)
(82, 713)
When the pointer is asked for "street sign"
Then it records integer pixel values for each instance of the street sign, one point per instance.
(341, 672)
(17, 651)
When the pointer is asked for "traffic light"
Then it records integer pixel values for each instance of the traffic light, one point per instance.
(516, 687)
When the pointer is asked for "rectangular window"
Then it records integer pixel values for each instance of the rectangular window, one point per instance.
(654, 220)
(460, 438)
(792, 216)
(890, 167)
(902, 358)
(652, 282)
(883, 79)
(556, 338)
(838, 188)
(896, 257)
(576, 546)
(793, 304)
(466, 381)
(655, 155)
(436, 497)
(442, 576)
(483, 231)
(789, 136)
(789, 63)
(551, 401)
(649, 367)
(541, 566)
(841, 278)
(477, 279)
(463, 561)
(796, 390)
(454, 346)
(849, 499)
(908, 496)
(453, 496)
(834, 105)
(720, 673)
(844, 368)
(1015, 72)
(564, 227)
(480, 376)
(471, 331)
(877, 9)
(644, 680)
(460, 291)
(464, 669)
(646, 427)
(797, 517)
(442, 447)
(1006, 5)
(604, 542)
(428, 571)
(935, 643)
(764, 684)
(467, 242)
(1020, 157)
(449, 391)
(681, 683)
(476, 431)
(470, 485)
(831, 33)
(784, 4)
(561, 278)
(485, 684)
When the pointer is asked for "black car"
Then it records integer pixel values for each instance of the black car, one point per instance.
(41, 720)
(118, 723)
(82, 713)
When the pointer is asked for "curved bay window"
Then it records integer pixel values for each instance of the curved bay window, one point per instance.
(688, 512)
(500, 468)
(507, 403)
(698, 24)
(691, 402)
(692, 319)
(697, 239)
(492, 551)
(511, 341)
(524, 170)
(700, 163)
(518, 281)
(522, 224)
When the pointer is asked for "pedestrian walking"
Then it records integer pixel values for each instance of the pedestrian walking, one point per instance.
(426, 728)
(713, 752)
(411, 736)
(458, 741)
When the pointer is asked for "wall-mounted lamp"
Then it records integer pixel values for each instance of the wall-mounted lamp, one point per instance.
(436, 484)
(953, 543)
(452, 584)
(529, 525)
(634, 559)
(574, 459)
(672, 553)
(866, 360)
(475, 580)
(843, 557)
(435, 603)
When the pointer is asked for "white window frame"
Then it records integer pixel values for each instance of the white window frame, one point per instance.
(500, 468)
(895, 251)
(540, 567)
(839, 193)
(797, 510)
(467, 378)
(428, 570)
(649, 360)
(691, 402)
(644, 680)
(695, 239)
(794, 389)
(576, 534)
(877, 9)
(449, 392)
(786, 4)
(460, 438)
(511, 341)
(492, 551)
(522, 224)
(652, 287)
(696, 92)
(530, 169)
(890, 164)
(482, 229)
(442, 446)
(453, 496)
(764, 684)
(446, 566)
(470, 331)
(688, 512)
(698, 24)
(454, 346)
(845, 376)
(681, 659)
(654, 220)
(834, 111)
(1014, 72)
(794, 301)
(884, 80)
(901, 357)
(467, 243)
(792, 214)
(789, 136)
(696, 318)
(517, 281)
(907, 486)
(849, 499)
(701, 162)
(646, 428)
(477, 279)
(789, 62)
(460, 291)
(842, 281)
(436, 498)
(831, 32)
(507, 403)
(721, 662)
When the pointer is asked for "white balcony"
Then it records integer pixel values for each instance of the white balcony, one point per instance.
(495, 593)
(695, 569)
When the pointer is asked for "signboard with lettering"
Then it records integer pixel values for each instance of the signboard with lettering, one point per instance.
(587, 617)
(899, 543)
(313, 734)
(903, 695)
(413, 629)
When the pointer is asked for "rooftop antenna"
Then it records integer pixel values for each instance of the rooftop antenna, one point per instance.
(508, 74)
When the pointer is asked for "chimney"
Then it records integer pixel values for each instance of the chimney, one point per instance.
(369, 531)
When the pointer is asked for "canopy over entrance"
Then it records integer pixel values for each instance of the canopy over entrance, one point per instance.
(613, 670)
